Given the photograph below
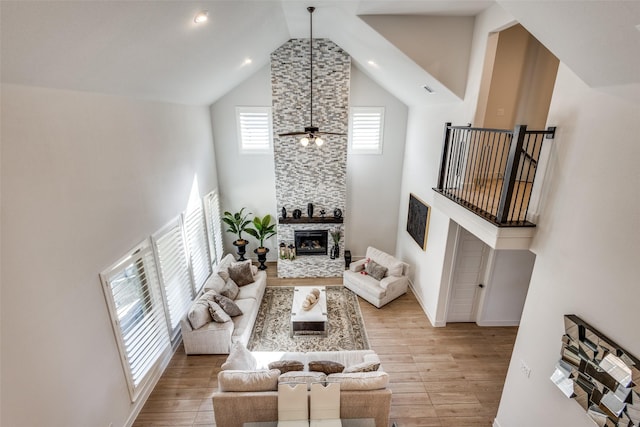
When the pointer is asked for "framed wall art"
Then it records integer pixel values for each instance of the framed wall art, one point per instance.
(418, 220)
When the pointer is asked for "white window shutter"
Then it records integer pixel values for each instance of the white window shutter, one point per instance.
(214, 226)
(197, 245)
(254, 129)
(366, 130)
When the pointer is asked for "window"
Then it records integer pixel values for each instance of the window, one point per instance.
(214, 226)
(254, 129)
(366, 130)
(134, 300)
(198, 246)
(173, 269)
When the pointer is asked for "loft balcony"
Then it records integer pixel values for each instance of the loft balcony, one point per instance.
(489, 174)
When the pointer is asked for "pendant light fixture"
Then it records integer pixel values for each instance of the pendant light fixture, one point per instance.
(311, 133)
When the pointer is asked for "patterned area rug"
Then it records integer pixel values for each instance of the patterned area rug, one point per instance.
(272, 328)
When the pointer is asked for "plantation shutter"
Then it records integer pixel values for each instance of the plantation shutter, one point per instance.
(214, 226)
(174, 272)
(198, 246)
(366, 129)
(133, 296)
(254, 129)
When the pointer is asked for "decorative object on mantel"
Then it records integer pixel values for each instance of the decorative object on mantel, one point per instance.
(322, 213)
(599, 374)
(297, 213)
(292, 251)
(311, 133)
(335, 235)
(311, 299)
(310, 210)
(337, 213)
(262, 230)
(238, 222)
(284, 212)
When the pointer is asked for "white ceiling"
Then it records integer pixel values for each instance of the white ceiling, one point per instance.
(153, 50)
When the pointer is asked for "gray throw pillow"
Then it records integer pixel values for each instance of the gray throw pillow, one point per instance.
(217, 313)
(228, 305)
(362, 367)
(326, 366)
(240, 272)
(375, 270)
(287, 365)
(230, 289)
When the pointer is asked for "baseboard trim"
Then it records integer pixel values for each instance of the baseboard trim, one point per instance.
(499, 323)
(496, 423)
(433, 323)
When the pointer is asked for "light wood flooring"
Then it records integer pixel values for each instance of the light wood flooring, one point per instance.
(440, 377)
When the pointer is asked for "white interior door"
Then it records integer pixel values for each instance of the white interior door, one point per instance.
(469, 266)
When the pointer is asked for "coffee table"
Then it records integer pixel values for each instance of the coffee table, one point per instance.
(309, 322)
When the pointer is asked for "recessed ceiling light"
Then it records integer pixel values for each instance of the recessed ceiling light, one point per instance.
(247, 61)
(372, 63)
(201, 17)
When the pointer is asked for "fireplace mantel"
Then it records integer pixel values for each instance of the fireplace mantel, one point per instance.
(312, 220)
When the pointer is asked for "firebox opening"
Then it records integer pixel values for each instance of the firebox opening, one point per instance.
(311, 242)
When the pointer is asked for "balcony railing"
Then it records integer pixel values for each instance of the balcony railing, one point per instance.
(491, 172)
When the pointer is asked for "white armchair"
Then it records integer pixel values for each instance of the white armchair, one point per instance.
(393, 282)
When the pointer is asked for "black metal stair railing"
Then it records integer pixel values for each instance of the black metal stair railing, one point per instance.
(491, 171)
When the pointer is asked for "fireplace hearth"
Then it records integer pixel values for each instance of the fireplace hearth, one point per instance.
(311, 242)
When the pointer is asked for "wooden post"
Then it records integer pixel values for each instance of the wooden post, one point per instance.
(509, 180)
(443, 159)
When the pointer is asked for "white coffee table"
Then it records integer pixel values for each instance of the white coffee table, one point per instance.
(309, 322)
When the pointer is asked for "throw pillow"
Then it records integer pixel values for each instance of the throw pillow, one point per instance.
(240, 272)
(209, 295)
(287, 365)
(375, 270)
(240, 358)
(360, 380)
(223, 273)
(214, 282)
(303, 377)
(228, 305)
(217, 313)
(230, 289)
(248, 380)
(362, 367)
(199, 314)
(326, 366)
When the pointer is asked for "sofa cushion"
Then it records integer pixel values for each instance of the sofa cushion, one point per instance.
(326, 366)
(244, 323)
(241, 273)
(253, 290)
(214, 282)
(362, 367)
(199, 314)
(230, 289)
(228, 305)
(217, 313)
(240, 359)
(303, 377)
(393, 265)
(360, 380)
(242, 380)
(287, 365)
(375, 270)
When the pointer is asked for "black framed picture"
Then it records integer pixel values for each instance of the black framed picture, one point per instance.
(418, 220)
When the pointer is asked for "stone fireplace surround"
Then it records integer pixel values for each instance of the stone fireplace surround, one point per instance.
(310, 174)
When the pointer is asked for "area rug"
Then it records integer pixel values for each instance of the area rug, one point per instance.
(271, 331)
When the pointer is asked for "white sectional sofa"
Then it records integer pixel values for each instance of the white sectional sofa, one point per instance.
(217, 338)
(392, 283)
(250, 394)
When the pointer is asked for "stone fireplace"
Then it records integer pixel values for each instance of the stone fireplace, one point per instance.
(310, 242)
(310, 175)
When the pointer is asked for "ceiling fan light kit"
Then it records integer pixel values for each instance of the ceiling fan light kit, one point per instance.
(311, 133)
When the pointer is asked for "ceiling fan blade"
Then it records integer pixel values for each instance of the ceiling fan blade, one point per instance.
(332, 133)
(292, 133)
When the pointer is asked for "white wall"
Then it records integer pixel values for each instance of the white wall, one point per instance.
(246, 180)
(506, 286)
(372, 180)
(587, 246)
(425, 130)
(84, 178)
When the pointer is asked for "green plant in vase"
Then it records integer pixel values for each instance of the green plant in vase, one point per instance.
(238, 223)
(262, 230)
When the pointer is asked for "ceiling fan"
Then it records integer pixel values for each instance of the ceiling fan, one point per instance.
(311, 133)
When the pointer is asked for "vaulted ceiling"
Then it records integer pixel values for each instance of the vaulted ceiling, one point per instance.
(154, 50)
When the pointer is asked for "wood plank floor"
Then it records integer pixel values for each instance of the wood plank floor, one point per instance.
(440, 377)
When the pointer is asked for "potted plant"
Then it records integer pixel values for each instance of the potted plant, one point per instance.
(262, 230)
(238, 222)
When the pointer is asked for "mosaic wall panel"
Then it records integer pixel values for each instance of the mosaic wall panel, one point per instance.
(310, 174)
(599, 374)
